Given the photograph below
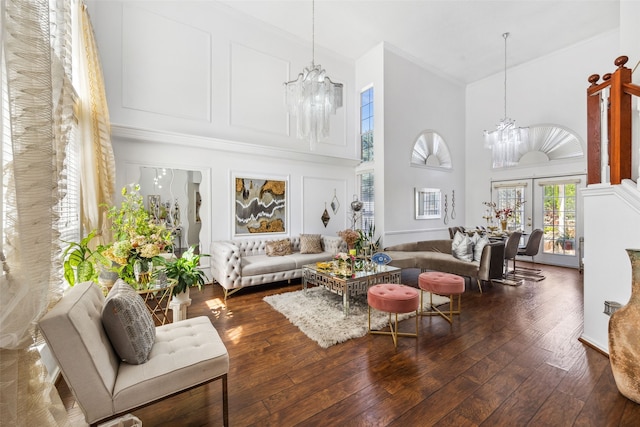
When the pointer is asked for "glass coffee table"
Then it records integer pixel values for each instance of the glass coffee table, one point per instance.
(356, 284)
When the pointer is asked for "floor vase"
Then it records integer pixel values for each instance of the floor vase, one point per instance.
(624, 337)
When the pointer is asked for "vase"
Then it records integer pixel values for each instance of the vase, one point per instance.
(624, 337)
(142, 271)
(503, 224)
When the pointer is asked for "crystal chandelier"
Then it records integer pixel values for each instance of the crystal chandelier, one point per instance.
(312, 97)
(506, 140)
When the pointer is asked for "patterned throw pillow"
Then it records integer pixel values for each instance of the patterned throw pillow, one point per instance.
(462, 247)
(310, 244)
(128, 323)
(278, 247)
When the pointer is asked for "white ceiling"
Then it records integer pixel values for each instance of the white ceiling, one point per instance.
(461, 39)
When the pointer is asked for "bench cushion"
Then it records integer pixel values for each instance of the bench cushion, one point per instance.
(185, 354)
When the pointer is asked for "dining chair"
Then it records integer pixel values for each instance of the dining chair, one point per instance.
(531, 248)
(511, 250)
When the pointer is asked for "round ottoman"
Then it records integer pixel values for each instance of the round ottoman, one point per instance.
(393, 298)
(445, 284)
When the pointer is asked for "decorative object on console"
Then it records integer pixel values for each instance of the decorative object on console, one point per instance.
(505, 141)
(260, 205)
(624, 337)
(312, 97)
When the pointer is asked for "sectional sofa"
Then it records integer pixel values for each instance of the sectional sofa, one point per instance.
(437, 255)
(238, 263)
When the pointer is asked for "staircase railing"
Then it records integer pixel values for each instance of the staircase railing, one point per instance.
(609, 124)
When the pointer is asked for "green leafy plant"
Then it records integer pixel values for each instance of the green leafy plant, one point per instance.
(367, 240)
(185, 271)
(80, 261)
(137, 239)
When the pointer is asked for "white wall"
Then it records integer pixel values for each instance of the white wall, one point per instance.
(612, 214)
(196, 86)
(200, 68)
(548, 90)
(417, 100)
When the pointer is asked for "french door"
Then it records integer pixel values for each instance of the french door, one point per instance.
(559, 214)
(551, 204)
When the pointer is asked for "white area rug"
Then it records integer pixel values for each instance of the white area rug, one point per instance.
(319, 314)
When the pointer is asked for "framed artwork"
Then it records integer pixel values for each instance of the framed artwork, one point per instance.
(428, 203)
(260, 205)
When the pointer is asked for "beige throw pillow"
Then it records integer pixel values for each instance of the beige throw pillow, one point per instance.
(310, 244)
(278, 247)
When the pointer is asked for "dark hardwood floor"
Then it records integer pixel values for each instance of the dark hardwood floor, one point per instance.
(512, 358)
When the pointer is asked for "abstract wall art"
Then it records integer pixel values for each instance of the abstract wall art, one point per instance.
(260, 205)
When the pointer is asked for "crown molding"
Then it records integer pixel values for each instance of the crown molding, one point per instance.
(140, 135)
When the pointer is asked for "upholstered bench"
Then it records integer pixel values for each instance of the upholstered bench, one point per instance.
(445, 284)
(183, 355)
(393, 298)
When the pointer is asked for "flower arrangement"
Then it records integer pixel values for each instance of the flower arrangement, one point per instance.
(350, 236)
(138, 240)
(345, 257)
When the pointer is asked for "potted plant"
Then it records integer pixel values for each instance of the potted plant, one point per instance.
(80, 261)
(185, 272)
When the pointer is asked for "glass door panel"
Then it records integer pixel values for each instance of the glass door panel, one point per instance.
(559, 219)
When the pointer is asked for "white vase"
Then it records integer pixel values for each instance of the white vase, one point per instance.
(182, 297)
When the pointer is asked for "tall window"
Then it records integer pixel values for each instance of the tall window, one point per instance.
(560, 219)
(366, 125)
(367, 198)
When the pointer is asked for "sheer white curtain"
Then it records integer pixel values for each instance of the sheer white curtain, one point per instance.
(37, 106)
(97, 166)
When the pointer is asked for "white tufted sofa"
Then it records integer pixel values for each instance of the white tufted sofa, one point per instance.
(238, 263)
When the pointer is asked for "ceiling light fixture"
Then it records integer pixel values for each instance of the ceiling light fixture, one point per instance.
(312, 97)
(506, 139)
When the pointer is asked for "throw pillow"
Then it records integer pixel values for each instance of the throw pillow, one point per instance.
(478, 245)
(310, 244)
(462, 247)
(128, 323)
(278, 247)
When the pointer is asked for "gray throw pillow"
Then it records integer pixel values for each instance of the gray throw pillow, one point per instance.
(128, 323)
(462, 247)
(310, 244)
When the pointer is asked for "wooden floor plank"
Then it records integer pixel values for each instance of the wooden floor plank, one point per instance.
(512, 357)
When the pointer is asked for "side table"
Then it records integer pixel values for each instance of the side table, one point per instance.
(157, 299)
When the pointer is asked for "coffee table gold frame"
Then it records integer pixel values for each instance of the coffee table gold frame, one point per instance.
(357, 284)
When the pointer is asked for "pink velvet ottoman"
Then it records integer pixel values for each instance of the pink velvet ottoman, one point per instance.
(393, 298)
(445, 284)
